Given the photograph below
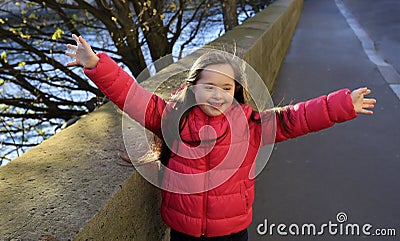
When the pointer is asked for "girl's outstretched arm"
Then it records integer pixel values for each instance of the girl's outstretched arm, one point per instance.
(120, 87)
(322, 112)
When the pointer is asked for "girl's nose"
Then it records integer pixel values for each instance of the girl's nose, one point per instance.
(217, 94)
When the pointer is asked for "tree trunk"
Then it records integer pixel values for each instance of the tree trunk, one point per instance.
(153, 27)
(229, 11)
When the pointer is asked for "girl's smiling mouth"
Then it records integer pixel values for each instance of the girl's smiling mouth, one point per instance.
(216, 105)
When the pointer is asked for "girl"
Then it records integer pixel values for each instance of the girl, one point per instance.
(206, 191)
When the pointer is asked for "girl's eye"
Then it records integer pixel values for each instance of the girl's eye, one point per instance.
(208, 87)
(227, 88)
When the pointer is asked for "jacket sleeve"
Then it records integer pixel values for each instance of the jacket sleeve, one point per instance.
(122, 89)
(314, 115)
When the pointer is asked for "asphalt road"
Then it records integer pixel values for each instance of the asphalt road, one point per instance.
(344, 181)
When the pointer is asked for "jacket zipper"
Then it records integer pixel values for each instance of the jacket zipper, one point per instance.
(205, 195)
(205, 198)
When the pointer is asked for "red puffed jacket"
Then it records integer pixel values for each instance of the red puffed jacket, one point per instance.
(208, 188)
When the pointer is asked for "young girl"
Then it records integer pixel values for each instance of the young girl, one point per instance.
(207, 192)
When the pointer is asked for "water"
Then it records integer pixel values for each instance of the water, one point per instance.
(212, 29)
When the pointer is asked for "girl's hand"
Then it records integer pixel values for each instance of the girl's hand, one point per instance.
(83, 55)
(360, 103)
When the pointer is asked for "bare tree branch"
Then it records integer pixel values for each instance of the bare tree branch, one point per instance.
(36, 87)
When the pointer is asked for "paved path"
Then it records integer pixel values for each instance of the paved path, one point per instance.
(353, 167)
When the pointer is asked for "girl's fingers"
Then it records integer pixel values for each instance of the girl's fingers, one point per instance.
(361, 104)
(86, 45)
(370, 106)
(70, 54)
(73, 63)
(367, 112)
(72, 47)
(370, 101)
(83, 42)
(363, 91)
(82, 52)
(75, 38)
(73, 54)
(366, 91)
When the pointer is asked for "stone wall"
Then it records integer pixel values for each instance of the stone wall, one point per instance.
(75, 186)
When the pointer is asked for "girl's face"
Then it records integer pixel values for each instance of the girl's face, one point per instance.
(215, 88)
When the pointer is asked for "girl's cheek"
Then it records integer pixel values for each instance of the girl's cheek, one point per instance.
(201, 96)
(229, 97)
